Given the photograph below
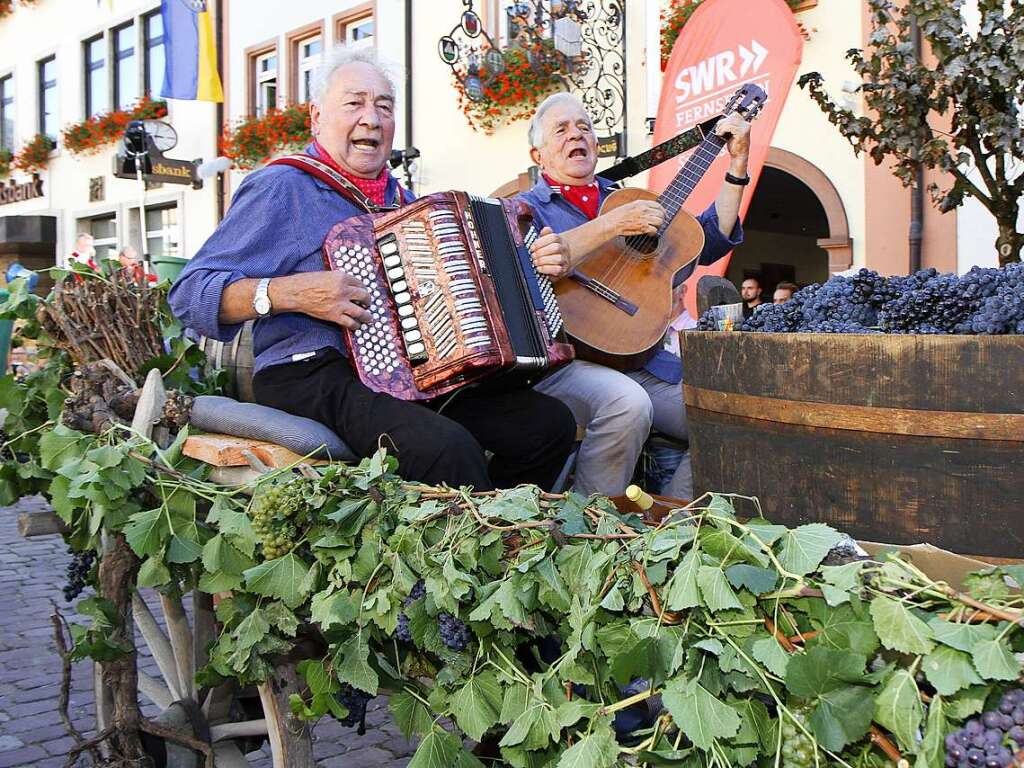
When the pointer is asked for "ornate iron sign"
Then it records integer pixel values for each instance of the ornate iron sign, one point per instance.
(582, 41)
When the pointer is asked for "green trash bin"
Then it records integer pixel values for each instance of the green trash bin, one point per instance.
(168, 267)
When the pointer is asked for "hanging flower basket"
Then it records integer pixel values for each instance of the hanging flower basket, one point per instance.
(511, 90)
(256, 140)
(7, 6)
(91, 135)
(35, 155)
(674, 18)
(6, 156)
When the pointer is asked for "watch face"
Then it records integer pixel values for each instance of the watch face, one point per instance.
(262, 305)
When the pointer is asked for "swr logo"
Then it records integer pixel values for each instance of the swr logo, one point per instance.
(719, 70)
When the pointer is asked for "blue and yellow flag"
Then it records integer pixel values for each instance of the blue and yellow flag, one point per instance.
(191, 52)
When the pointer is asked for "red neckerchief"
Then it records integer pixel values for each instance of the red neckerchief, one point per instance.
(585, 197)
(374, 189)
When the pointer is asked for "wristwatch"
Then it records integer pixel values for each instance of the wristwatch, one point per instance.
(737, 180)
(261, 299)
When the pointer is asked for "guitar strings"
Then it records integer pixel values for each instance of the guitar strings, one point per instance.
(672, 199)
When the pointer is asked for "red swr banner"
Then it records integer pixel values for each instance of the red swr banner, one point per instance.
(725, 44)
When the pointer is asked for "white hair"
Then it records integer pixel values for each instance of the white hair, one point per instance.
(536, 133)
(341, 56)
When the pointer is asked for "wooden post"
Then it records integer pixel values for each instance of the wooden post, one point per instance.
(290, 739)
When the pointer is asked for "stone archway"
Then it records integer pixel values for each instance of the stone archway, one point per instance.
(838, 245)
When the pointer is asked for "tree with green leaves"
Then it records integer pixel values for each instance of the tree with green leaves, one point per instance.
(976, 88)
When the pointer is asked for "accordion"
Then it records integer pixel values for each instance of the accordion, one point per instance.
(454, 296)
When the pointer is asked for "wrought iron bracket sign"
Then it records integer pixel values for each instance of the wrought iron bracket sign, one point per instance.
(582, 41)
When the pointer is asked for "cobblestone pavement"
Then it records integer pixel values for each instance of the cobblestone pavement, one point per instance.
(31, 732)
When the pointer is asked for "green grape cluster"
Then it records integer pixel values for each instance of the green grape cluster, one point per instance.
(276, 511)
(797, 747)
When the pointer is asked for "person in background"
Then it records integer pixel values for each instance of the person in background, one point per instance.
(129, 260)
(682, 322)
(750, 292)
(85, 251)
(783, 292)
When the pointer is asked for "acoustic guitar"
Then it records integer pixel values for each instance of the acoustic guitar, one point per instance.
(618, 303)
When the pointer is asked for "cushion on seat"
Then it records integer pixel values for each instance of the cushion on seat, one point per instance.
(212, 413)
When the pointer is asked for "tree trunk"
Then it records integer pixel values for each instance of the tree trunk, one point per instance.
(1010, 241)
(117, 575)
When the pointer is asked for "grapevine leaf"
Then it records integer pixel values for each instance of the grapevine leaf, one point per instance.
(571, 516)
(153, 573)
(842, 716)
(639, 659)
(354, 668)
(437, 750)
(757, 580)
(281, 578)
(233, 523)
(768, 651)
(714, 587)
(803, 548)
(949, 670)
(212, 583)
(994, 660)
(337, 608)
(503, 608)
(253, 628)
(702, 716)
(598, 750)
(411, 716)
(613, 601)
(841, 581)
(147, 531)
(183, 550)
(968, 702)
(932, 751)
(60, 446)
(514, 505)
(843, 628)
(282, 619)
(682, 587)
(517, 701)
(898, 708)
(221, 555)
(534, 728)
(821, 670)
(898, 628)
(963, 637)
(477, 705)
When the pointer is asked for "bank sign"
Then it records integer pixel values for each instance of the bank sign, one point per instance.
(20, 191)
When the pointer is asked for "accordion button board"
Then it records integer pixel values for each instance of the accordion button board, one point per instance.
(438, 321)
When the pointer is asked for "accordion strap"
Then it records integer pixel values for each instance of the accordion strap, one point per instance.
(333, 179)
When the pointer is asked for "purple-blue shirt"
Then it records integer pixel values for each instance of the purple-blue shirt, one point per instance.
(275, 226)
(550, 209)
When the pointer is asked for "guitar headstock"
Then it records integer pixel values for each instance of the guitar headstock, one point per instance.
(748, 101)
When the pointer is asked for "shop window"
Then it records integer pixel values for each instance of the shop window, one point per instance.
(126, 67)
(153, 31)
(104, 232)
(47, 79)
(7, 112)
(96, 89)
(162, 231)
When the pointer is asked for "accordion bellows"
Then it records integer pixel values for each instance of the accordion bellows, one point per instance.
(454, 296)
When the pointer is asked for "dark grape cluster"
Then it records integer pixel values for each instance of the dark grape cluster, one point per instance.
(402, 632)
(274, 516)
(454, 634)
(355, 702)
(982, 301)
(991, 740)
(78, 572)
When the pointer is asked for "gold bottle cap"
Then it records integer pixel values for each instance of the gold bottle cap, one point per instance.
(638, 496)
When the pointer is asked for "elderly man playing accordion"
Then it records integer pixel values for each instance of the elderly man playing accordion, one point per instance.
(616, 409)
(264, 263)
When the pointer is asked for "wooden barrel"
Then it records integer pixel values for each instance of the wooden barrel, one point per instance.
(236, 358)
(898, 439)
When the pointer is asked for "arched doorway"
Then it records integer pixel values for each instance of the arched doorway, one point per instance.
(796, 227)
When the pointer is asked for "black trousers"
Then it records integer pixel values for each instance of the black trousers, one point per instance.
(530, 434)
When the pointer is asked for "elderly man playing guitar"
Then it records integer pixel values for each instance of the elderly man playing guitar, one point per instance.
(265, 263)
(617, 409)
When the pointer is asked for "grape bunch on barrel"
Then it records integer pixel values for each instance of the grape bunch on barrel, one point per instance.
(991, 740)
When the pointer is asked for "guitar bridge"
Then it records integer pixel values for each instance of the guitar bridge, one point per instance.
(613, 297)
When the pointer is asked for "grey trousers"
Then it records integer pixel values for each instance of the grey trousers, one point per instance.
(617, 410)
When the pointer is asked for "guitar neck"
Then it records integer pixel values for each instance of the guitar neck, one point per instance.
(689, 177)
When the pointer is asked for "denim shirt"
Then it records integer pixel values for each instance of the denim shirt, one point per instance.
(276, 225)
(550, 209)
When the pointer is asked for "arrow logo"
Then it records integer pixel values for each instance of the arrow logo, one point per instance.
(752, 58)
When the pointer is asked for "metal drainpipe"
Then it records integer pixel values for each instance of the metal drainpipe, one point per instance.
(218, 32)
(408, 82)
(917, 191)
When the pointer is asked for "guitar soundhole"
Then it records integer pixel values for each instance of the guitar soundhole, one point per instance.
(643, 245)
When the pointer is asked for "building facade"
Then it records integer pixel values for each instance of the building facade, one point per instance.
(818, 208)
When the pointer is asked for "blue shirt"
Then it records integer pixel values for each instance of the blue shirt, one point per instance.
(550, 209)
(276, 225)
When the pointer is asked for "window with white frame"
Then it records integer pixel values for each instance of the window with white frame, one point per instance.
(126, 66)
(96, 90)
(357, 32)
(266, 82)
(103, 229)
(307, 58)
(154, 52)
(7, 113)
(46, 73)
(162, 236)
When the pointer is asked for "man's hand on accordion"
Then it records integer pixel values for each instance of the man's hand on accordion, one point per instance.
(334, 296)
(551, 254)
